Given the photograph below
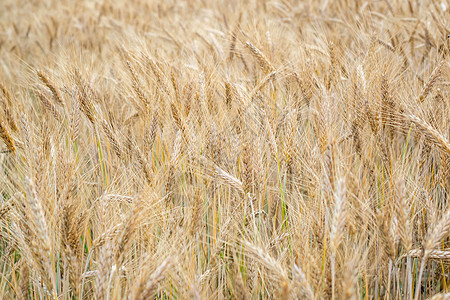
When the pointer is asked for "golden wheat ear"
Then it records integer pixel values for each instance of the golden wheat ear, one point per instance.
(264, 63)
(6, 137)
(85, 97)
(51, 86)
(8, 107)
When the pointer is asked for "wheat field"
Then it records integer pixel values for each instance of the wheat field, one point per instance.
(235, 149)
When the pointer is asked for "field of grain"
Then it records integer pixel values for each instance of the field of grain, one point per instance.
(221, 149)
